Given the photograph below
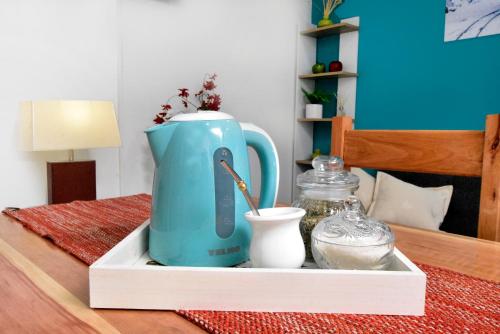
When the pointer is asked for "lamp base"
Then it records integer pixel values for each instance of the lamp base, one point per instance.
(70, 181)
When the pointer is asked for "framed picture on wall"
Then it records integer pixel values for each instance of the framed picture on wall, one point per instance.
(471, 18)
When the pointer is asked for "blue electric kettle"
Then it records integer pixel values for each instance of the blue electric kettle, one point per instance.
(197, 215)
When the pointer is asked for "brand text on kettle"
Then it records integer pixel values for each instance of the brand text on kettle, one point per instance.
(223, 251)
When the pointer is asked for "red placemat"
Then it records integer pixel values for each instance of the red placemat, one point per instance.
(455, 303)
(86, 229)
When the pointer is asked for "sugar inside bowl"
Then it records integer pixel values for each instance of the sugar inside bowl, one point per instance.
(351, 240)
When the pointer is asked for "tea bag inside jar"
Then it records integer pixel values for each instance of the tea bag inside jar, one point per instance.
(351, 240)
(322, 192)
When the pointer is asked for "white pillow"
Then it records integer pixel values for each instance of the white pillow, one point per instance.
(366, 187)
(395, 201)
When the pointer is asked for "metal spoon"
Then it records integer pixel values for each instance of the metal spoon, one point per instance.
(242, 186)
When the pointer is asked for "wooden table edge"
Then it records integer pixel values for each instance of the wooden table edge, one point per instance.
(31, 247)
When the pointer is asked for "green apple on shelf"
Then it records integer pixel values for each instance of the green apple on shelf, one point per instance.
(318, 68)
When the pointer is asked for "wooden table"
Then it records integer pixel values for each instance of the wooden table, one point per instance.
(43, 289)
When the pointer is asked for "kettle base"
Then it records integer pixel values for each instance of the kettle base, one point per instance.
(169, 253)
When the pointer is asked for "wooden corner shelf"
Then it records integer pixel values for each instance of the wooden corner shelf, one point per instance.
(317, 120)
(334, 29)
(304, 162)
(314, 119)
(341, 74)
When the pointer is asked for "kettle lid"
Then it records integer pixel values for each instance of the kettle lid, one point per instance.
(202, 115)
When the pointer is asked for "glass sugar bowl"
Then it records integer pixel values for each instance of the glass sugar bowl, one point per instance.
(322, 192)
(351, 240)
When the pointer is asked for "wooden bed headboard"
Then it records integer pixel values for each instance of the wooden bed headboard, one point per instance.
(447, 152)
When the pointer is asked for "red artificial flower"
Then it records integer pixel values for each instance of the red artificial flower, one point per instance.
(159, 119)
(184, 92)
(205, 100)
(213, 102)
(209, 85)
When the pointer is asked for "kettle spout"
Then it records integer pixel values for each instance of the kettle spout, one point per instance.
(158, 137)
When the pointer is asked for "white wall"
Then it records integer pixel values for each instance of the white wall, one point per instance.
(173, 43)
(137, 53)
(53, 49)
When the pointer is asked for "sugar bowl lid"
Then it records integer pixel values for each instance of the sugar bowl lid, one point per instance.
(352, 227)
(328, 172)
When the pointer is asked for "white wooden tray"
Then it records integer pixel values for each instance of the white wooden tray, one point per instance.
(122, 279)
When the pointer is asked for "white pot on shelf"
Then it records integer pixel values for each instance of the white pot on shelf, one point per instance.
(314, 111)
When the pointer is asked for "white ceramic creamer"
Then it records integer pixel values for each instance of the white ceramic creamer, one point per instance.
(276, 240)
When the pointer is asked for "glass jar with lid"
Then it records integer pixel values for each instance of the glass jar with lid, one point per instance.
(351, 240)
(322, 192)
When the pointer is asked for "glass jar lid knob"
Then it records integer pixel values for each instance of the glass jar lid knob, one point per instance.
(325, 163)
(352, 203)
(353, 211)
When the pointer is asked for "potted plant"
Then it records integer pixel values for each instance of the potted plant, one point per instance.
(314, 109)
(205, 100)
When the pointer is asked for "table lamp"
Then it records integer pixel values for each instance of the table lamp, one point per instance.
(69, 125)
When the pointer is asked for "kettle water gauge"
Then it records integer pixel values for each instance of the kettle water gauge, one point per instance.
(224, 194)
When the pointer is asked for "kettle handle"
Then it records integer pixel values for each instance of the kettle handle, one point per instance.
(269, 163)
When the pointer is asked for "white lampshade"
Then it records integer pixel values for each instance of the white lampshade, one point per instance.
(68, 125)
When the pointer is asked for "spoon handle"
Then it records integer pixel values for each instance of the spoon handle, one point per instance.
(242, 186)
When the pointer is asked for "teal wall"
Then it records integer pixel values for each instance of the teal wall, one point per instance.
(409, 78)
